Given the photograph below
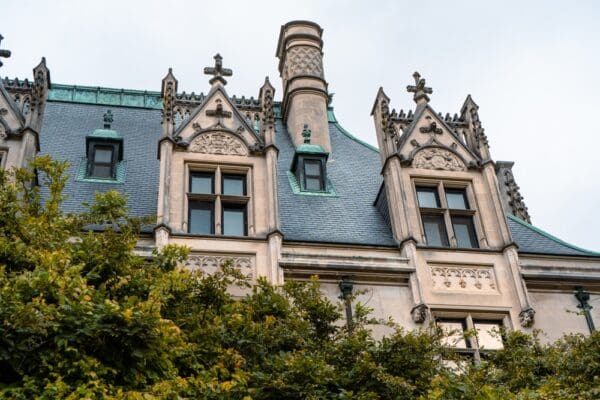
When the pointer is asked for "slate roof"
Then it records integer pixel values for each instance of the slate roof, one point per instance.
(534, 240)
(354, 171)
(63, 136)
(353, 167)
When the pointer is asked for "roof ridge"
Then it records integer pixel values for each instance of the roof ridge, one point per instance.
(552, 237)
(331, 118)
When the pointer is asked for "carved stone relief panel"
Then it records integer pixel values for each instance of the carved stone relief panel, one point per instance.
(304, 60)
(479, 279)
(438, 158)
(218, 143)
(208, 263)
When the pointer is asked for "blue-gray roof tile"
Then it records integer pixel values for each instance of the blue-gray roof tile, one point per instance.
(63, 136)
(349, 217)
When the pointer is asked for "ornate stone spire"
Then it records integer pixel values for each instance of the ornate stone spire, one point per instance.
(419, 89)
(218, 72)
(3, 53)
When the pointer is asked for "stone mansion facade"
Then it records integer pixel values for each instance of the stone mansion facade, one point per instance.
(428, 227)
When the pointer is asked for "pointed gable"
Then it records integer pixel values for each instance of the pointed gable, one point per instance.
(430, 143)
(217, 115)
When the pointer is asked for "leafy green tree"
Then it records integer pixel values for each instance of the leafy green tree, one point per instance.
(83, 317)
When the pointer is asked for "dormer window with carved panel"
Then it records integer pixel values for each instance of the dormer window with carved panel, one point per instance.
(218, 201)
(447, 217)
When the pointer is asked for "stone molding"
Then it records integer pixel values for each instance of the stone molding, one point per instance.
(208, 263)
(438, 159)
(218, 143)
(464, 278)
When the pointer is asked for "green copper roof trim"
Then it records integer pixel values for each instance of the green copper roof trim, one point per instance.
(330, 192)
(80, 176)
(105, 134)
(551, 237)
(105, 96)
(306, 148)
(331, 118)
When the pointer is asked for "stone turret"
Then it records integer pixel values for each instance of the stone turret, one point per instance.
(305, 94)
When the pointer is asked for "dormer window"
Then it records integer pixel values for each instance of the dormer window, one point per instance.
(218, 202)
(447, 216)
(102, 160)
(309, 166)
(104, 152)
(313, 175)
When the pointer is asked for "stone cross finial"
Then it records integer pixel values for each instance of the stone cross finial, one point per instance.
(219, 113)
(218, 72)
(108, 119)
(432, 129)
(419, 89)
(3, 53)
(306, 134)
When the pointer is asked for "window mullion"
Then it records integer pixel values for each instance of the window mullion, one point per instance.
(218, 182)
(450, 228)
(218, 216)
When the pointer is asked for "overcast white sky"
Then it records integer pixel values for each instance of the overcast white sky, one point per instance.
(533, 67)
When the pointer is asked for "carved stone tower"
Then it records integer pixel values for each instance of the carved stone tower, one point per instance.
(305, 94)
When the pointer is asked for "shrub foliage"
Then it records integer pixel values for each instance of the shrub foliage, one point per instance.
(83, 316)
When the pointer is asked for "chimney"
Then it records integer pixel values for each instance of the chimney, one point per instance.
(305, 96)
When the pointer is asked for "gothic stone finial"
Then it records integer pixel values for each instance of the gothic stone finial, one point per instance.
(3, 53)
(419, 89)
(306, 134)
(108, 119)
(218, 72)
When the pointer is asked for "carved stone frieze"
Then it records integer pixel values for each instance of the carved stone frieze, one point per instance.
(218, 143)
(439, 159)
(304, 60)
(209, 263)
(450, 277)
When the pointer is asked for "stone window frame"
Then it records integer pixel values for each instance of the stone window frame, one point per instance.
(441, 185)
(320, 177)
(116, 148)
(217, 197)
(469, 319)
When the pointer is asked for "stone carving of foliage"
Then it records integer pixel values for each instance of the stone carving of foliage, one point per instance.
(209, 263)
(464, 278)
(218, 143)
(437, 158)
(304, 60)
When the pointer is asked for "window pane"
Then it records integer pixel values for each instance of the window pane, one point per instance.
(464, 232)
(234, 220)
(454, 331)
(234, 185)
(428, 197)
(101, 171)
(456, 199)
(312, 168)
(313, 183)
(435, 232)
(103, 154)
(201, 217)
(201, 183)
(488, 335)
